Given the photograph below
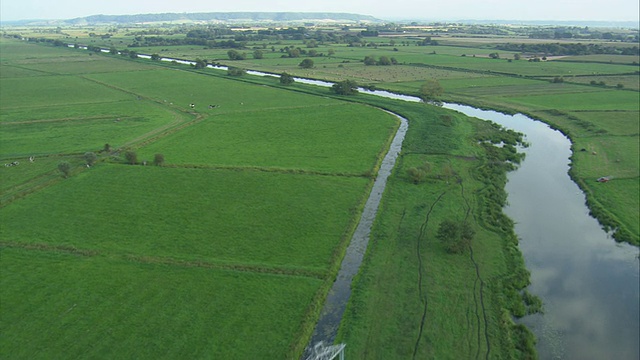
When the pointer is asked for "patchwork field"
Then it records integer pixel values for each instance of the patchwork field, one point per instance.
(241, 230)
(228, 248)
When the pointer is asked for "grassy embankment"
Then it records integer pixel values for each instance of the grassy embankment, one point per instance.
(200, 257)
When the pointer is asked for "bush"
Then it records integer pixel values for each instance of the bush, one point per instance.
(306, 64)
(131, 156)
(158, 159)
(90, 158)
(65, 168)
(346, 87)
(234, 71)
(419, 174)
(455, 236)
(286, 79)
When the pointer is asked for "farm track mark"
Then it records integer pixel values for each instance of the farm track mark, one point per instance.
(30, 186)
(478, 279)
(50, 73)
(142, 259)
(423, 298)
(78, 119)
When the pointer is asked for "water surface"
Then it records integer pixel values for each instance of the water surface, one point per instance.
(589, 283)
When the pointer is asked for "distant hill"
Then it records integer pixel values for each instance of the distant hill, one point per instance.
(224, 17)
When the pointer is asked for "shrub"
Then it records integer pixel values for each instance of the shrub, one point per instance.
(131, 156)
(65, 168)
(158, 159)
(455, 236)
(90, 158)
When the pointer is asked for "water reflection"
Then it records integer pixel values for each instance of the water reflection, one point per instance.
(589, 284)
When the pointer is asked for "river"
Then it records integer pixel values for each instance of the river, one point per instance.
(589, 284)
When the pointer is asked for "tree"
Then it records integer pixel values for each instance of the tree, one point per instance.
(331, 52)
(286, 79)
(431, 90)
(384, 61)
(155, 57)
(516, 56)
(65, 168)
(306, 64)
(312, 43)
(369, 60)
(236, 55)
(235, 71)
(345, 87)
(131, 156)
(200, 64)
(158, 159)
(494, 55)
(133, 54)
(293, 53)
(258, 54)
(90, 158)
(455, 236)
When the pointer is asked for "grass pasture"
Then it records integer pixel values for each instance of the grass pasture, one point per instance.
(331, 138)
(590, 100)
(248, 219)
(234, 217)
(115, 308)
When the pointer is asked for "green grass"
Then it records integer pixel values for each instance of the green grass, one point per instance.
(408, 273)
(222, 216)
(54, 90)
(599, 100)
(613, 122)
(618, 194)
(257, 204)
(81, 135)
(631, 82)
(333, 138)
(60, 305)
(181, 88)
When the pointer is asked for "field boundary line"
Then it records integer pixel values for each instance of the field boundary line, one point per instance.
(144, 259)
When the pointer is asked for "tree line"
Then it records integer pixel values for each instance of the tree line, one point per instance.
(569, 49)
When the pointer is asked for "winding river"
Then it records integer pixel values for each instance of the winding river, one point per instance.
(589, 284)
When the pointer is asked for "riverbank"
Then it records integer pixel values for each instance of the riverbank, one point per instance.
(437, 304)
(600, 148)
(589, 284)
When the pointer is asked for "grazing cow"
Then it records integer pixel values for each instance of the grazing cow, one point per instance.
(192, 105)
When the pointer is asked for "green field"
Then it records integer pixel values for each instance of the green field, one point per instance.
(223, 216)
(247, 219)
(59, 305)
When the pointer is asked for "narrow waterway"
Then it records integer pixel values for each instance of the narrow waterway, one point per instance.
(336, 302)
(589, 284)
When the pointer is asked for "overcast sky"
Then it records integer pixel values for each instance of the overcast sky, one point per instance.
(608, 10)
